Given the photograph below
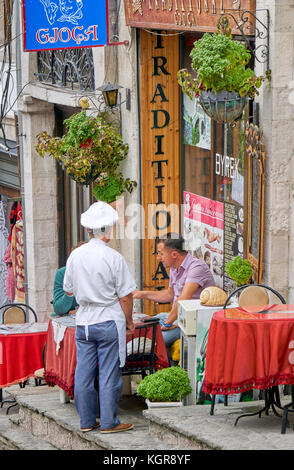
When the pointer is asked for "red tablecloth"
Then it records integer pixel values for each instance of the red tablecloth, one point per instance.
(20, 356)
(60, 369)
(247, 350)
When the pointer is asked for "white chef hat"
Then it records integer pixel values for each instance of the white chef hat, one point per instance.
(100, 214)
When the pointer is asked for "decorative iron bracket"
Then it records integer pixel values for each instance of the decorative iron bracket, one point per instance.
(252, 25)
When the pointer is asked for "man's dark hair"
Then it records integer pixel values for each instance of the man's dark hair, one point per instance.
(173, 241)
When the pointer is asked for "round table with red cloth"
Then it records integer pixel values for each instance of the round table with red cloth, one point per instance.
(247, 350)
(60, 368)
(20, 356)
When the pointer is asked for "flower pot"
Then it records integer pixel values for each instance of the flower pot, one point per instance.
(162, 404)
(224, 107)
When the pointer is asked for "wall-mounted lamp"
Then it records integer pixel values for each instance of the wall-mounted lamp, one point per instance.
(110, 94)
(109, 99)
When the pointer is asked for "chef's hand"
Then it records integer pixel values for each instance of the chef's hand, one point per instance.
(130, 327)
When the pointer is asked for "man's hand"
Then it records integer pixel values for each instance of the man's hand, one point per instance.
(137, 294)
(164, 328)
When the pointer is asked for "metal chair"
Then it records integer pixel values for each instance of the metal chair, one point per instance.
(253, 294)
(257, 295)
(141, 356)
(39, 373)
(16, 313)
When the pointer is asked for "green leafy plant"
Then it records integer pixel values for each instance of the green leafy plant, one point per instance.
(168, 384)
(221, 64)
(108, 188)
(239, 270)
(90, 147)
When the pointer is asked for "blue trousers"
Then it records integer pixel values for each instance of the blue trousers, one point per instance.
(100, 347)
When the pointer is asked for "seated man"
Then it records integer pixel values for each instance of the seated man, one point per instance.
(188, 277)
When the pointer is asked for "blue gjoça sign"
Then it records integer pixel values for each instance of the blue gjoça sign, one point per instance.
(63, 24)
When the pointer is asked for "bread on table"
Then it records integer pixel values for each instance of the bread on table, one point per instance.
(213, 296)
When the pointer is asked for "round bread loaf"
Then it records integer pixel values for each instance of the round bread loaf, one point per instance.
(213, 296)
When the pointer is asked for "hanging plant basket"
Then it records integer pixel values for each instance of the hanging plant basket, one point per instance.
(220, 75)
(91, 150)
(223, 107)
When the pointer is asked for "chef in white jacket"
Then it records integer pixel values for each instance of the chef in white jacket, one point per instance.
(99, 278)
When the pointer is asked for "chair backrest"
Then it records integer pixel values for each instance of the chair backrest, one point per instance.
(16, 313)
(254, 294)
(141, 349)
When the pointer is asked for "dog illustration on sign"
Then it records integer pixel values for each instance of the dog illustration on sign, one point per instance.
(71, 10)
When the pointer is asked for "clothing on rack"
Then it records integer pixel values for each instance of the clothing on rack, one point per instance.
(14, 215)
(3, 246)
(10, 281)
(17, 256)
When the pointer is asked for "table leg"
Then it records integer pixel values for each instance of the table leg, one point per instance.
(63, 396)
(272, 400)
(212, 405)
(1, 396)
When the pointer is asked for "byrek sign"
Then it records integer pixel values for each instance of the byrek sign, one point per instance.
(63, 24)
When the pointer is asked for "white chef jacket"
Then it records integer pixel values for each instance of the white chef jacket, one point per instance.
(98, 277)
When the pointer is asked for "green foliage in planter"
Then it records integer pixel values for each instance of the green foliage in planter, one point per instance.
(90, 147)
(168, 384)
(220, 63)
(108, 188)
(80, 129)
(239, 270)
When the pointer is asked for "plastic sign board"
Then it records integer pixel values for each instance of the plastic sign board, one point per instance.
(64, 24)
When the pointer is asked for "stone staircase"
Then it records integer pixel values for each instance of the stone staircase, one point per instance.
(43, 423)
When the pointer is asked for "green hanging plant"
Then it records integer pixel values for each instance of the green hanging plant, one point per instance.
(90, 147)
(220, 64)
(108, 187)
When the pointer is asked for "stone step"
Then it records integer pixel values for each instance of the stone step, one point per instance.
(192, 427)
(57, 423)
(16, 438)
(164, 427)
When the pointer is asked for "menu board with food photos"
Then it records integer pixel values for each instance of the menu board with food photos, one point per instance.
(203, 223)
(233, 238)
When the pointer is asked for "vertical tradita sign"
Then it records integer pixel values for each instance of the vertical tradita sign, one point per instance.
(160, 144)
(63, 24)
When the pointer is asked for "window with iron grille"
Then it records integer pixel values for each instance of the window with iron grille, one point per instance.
(71, 68)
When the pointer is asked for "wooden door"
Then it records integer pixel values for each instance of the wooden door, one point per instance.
(160, 151)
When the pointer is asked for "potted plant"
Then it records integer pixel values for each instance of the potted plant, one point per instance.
(109, 186)
(239, 270)
(166, 387)
(90, 148)
(223, 80)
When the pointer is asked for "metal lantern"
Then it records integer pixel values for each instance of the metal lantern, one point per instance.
(110, 94)
(224, 107)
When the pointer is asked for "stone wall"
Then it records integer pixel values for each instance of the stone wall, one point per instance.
(118, 65)
(276, 122)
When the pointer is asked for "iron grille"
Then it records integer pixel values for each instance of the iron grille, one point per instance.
(70, 68)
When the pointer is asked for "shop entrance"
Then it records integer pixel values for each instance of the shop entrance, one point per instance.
(73, 199)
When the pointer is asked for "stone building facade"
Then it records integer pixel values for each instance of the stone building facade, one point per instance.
(119, 64)
(36, 108)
